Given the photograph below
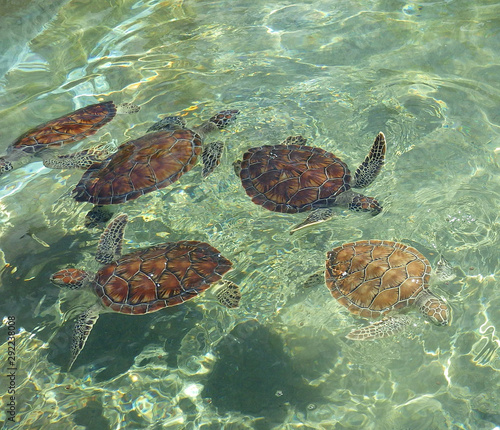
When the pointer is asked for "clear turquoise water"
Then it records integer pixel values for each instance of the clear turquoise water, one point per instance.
(426, 74)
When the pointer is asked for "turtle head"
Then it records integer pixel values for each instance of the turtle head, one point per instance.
(5, 165)
(169, 123)
(97, 216)
(433, 308)
(71, 278)
(362, 203)
(224, 118)
(218, 122)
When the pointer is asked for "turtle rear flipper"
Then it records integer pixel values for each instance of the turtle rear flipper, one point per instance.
(83, 327)
(228, 294)
(370, 168)
(109, 248)
(79, 160)
(316, 216)
(210, 157)
(379, 329)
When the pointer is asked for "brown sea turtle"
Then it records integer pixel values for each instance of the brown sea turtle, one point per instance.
(69, 128)
(372, 278)
(292, 177)
(146, 280)
(149, 163)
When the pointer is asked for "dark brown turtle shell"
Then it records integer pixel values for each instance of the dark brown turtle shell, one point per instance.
(373, 277)
(69, 128)
(293, 178)
(140, 166)
(164, 275)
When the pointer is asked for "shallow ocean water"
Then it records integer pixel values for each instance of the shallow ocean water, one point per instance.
(426, 74)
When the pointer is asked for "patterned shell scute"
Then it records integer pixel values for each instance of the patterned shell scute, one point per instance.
(372, 278)
(140, 166)
(165, 275)
(69, 128)
(293, 178)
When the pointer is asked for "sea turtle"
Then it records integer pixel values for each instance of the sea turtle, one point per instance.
(69, 128)
(146, 280)
(149, 163)
(292, 177)
(372, 278)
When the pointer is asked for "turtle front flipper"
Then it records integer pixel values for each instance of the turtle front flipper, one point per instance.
(316, 216)
(210, 157)
(228, 294)
(79, 160)
(83, 327)
(386, 327)
(109, 248)
(370, 168)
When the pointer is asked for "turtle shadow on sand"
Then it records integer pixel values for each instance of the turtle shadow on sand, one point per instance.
(112, 355)
(254, 375)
